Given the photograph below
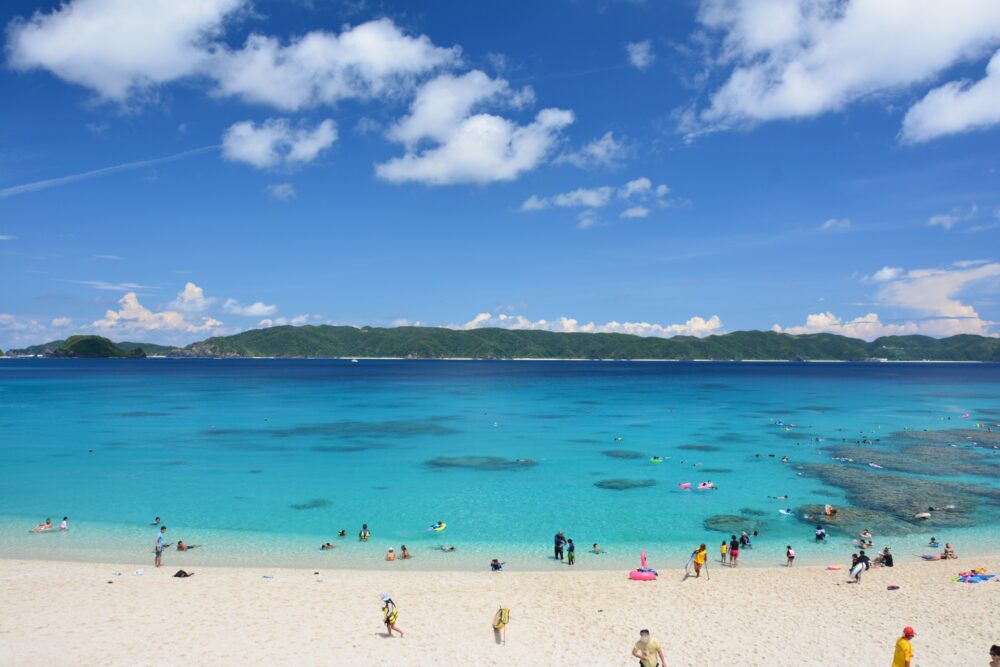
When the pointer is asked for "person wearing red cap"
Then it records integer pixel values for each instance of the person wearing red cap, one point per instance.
(904, 649)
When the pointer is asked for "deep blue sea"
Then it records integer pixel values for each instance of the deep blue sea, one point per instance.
(261, 461)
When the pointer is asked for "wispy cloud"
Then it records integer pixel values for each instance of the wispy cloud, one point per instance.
(111, 287)
(37, 186)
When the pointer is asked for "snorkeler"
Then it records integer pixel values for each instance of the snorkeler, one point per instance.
(327, 546)
(342, 533)
(186, 547)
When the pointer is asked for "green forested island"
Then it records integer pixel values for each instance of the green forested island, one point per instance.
(325, 341)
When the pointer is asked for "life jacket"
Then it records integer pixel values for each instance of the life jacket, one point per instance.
(390, 617)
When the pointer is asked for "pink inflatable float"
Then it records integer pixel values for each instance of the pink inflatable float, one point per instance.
(643, 573)
(685, 485)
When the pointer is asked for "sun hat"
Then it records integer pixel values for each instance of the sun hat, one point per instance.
(385, 597)
(908, 631)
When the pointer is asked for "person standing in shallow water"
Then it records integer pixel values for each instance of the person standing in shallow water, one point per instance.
(571, 551)
(159, 546)
(560, 540)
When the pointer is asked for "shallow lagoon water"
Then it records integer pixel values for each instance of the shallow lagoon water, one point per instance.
(263, 460)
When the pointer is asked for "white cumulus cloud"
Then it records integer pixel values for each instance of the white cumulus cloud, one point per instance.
(282, 191)
(696, 326)
(119, 48)
(605, 151)
(801, 58)
(482, 148)
(640, 54)
(929, 296)
(275, 142)
(635, 212)
(133, 316)
(955, 107)
(192, 299)
(256, 309)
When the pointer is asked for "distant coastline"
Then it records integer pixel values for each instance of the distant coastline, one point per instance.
(343, 342)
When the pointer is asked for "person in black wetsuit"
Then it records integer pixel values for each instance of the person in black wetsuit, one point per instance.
(560, 542)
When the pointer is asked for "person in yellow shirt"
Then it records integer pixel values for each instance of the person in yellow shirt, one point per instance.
(699, 559)
(724, 549)
(648, 651)
(903, 657)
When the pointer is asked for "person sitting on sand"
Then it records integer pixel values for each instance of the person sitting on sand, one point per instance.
(597, 550)
(65, 523)
(327, 546)
(404, 552)
(948, 552)
(885, 558)
(186, 547)
(447, 549)
(43, 527)
(391, 554)
(496, 565)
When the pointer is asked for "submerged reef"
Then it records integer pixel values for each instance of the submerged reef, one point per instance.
(700, 448)
(922, 459)
(624, 484)
(623, 454)
(487, 463)
(731, 523)
(314, 504)
(901, 498)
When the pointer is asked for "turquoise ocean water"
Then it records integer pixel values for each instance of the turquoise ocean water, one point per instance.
(261, 461)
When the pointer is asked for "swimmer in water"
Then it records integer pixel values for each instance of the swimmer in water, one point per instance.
(43, 527)
(342, 533)
(597, 549)
(186, 547)
(327, 546)
(446, 549)
(405, 553)
(778, 497)
(156, 522)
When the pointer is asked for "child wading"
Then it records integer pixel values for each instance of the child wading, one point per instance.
(570, 552)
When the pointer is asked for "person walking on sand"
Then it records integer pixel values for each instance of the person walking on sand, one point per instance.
(389, 615)
(560, 541)
(700, 554)
(903, 657)
(570, 552)
(160, 546)
(648, 651)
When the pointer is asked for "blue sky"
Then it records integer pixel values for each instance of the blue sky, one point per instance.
(174, 170)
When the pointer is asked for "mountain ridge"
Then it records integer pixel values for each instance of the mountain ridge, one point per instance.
(329, 341)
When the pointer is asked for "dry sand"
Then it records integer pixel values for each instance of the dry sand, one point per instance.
(59, 613)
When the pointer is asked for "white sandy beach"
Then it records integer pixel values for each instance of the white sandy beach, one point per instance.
(62, 613)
